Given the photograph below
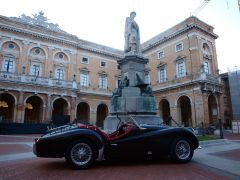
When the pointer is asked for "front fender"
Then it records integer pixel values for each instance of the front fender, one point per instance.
(90, 135)
(55, 144)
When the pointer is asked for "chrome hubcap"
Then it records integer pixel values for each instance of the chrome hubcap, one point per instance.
(183, 149)
(81, 153)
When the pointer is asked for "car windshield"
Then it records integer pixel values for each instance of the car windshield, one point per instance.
(138, 121)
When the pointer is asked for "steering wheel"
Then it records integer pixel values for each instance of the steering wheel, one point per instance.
(123, 127)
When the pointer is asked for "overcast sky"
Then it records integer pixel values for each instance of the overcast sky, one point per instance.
(103, 21)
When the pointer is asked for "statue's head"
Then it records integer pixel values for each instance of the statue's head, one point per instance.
(133, 14)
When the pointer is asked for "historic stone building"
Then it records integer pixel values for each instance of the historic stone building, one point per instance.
(47, 73)
(183, 71)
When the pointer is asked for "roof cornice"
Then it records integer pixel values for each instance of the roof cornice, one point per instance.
(151, 43)
(78, 43)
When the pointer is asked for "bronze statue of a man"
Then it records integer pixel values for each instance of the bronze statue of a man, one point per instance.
(132, 35)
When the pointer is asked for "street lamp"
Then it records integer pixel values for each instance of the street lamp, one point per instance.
(220, 129)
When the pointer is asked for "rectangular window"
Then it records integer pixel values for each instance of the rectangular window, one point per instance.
(162, 75)
(84, 79)
(179, 47)
(8, 65)
(103, 64)
(85, 60)
(102, 84)
(35, 70)
(161, 54)
(206, 67)
(59, 74)
(181, 71)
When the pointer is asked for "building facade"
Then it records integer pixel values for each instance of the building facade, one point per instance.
(47, 73)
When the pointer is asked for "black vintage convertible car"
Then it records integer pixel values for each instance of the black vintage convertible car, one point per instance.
(82, 145)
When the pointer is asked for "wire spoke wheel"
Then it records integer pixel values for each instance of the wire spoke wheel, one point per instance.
(81, 153)
(182, 149)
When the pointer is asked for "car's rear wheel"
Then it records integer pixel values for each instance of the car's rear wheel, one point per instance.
(81, 154)
(181, 150)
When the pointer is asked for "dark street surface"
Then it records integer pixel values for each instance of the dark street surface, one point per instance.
(18, 162)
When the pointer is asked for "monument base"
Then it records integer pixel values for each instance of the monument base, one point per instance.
(111, 122)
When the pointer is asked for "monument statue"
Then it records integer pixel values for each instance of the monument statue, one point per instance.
(133, 96)
(132, 35)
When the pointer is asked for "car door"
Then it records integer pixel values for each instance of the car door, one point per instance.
(131, 146)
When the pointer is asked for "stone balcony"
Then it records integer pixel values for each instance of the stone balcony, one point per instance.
(95, 90)
(200, 78)
(50, 82)
(36, 80)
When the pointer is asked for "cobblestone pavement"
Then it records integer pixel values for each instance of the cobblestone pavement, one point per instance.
(218, 161)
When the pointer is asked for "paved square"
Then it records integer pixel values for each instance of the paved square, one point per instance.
(18, 162)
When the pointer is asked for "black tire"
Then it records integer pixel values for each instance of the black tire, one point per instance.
(181, 150)
(81, 154)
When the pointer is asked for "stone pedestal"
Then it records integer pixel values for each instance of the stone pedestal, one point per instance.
(133, 97)
(132, 65)
(132, 101)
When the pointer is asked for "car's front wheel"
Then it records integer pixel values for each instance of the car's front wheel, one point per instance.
(181, 150)
(81, 154)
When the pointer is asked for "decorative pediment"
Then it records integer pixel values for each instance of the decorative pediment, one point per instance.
(161, 64)
(179, 58)
(102, 73)
(207, 56)
(60, 64)
(84, 69)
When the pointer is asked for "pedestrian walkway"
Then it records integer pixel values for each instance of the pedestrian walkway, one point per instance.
(16, 147)
(223, 154)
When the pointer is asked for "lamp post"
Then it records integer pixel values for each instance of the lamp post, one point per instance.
(220, 128)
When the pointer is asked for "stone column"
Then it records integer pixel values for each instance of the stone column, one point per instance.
(73, 109)
(93, 116)
(205, 107)
(194, 115)
(20, 108)
(48, 111)
(199, 110)
(15, 112)
(43, 113)
(174, 114)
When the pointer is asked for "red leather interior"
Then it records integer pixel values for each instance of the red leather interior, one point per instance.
(113, 136)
